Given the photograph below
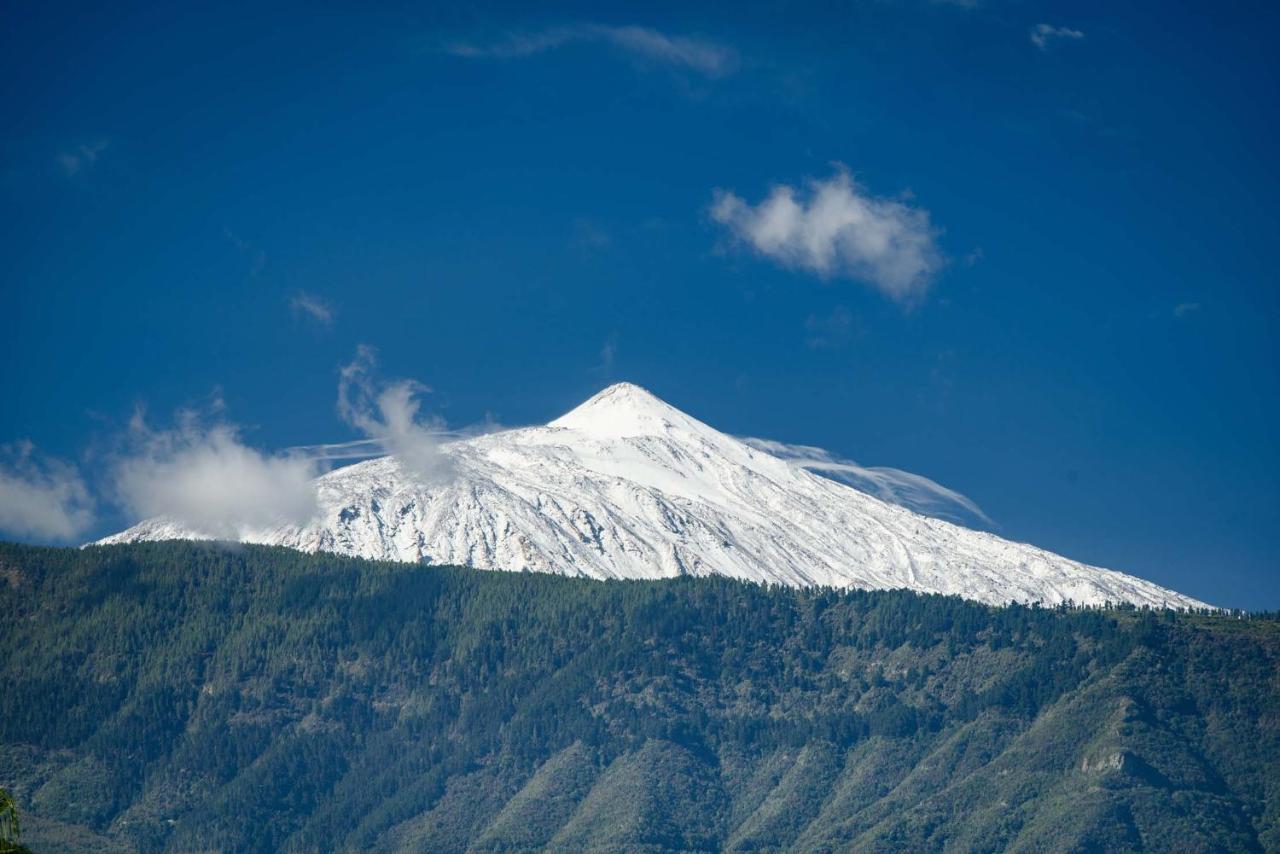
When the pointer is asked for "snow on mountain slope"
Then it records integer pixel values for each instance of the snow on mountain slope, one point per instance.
(626, 486)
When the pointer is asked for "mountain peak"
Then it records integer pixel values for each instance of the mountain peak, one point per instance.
(624, 391)
(627, 486)
(623, 409)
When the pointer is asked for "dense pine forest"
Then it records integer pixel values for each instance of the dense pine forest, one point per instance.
(178, 696)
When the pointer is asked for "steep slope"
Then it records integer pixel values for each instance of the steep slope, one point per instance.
(190, 697)
(626, 486)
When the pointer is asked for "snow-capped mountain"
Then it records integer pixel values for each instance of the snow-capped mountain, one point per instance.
(626, 486)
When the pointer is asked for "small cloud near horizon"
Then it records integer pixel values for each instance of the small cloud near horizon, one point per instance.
(705, 57)
(42, 497)
(1042, 35)
(836, 229)
(202, 475)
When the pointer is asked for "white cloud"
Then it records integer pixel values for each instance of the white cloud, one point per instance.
(315, 307)
(704, 57)
(838, 229)
(1043, 34)
(1182, 309)
(42, 498)
(388, 414)
(206, 478)
(913, 491)
(81, 157)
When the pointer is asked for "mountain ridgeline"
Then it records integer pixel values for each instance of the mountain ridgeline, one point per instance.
(179, 696)
(627, 486)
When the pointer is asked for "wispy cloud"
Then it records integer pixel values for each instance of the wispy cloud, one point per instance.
(830, 331)
(1042, 35)
(203, 476)
(387, 413)
(608, 354)
(838, 229)
(705, 57)
(589, 238)
(256, 255)
(41, 497)
(315, 307)
(1182, 309)
(913, 491)
(357, 449)
(76, 160)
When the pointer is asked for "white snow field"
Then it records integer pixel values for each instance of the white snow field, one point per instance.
(626, 486)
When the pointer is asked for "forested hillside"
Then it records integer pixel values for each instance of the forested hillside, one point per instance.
(174, 696)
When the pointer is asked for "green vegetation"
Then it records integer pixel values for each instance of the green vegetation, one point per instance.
(177, 696)
(10, 825)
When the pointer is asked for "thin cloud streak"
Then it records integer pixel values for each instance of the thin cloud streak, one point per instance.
(1042, 35)
(363, 449)
(705, 57)
(913, 491)
(314, 307)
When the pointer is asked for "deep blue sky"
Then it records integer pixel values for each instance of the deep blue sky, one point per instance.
(1096, 365)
